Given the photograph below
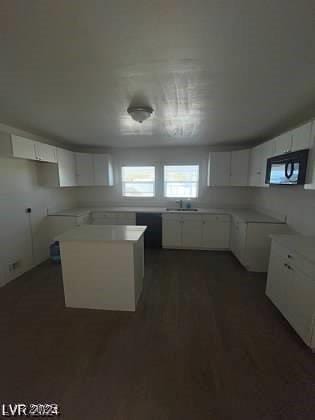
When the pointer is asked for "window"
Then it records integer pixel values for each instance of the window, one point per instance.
(181, 181)
(138, 181)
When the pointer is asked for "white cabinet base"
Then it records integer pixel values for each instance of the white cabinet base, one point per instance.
(250, 243)
(291, 287)
(93, 278)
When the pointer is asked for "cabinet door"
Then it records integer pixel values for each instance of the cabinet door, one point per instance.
(310, 177)
(239, 168)
(192, 232)
(219, 170)
(283, 143)
(84, 220)
(84, 169)
(301, 137)
(255, 170)
(279, 278)
(238, 239)
(171, 233)
(265, 152)
(301, 302)
(23, 148)
(126, 218)
(216, 233)
(103, 171)
(102, 218)
(45, 152)
(66, 168)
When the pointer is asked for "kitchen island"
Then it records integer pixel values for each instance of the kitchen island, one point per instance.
(102, 266)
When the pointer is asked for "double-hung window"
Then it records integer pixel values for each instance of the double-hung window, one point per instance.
(181, 181)
(138, 181)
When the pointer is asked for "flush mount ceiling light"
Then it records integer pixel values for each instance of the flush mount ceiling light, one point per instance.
(140, 113)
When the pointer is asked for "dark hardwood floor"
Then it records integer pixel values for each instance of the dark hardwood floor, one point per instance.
(205, 343)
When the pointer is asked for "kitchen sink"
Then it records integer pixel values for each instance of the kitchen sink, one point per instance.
(181, 209)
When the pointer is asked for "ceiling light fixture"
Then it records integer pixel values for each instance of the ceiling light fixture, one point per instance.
(140, 113)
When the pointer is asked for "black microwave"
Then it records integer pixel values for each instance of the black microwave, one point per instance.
(287, 169)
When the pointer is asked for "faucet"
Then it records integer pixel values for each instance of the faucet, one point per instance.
(180, 202)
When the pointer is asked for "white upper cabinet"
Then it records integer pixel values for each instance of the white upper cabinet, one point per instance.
(310, 176)
(103, 170)
(255, 167)
(302, 137)
(34, 150)
(291, 141)
(228, 168)
(84, 169)
(266, 151)
(258, 163)
(61, 174)
(94, 169)
(45, 152)
(283, 143)
(239, 168)
(66, 168)
(219, 169)
(23, 148)
(78, 169)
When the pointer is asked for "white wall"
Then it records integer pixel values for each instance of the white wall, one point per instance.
(297, 204)
(19, 189)
(214, 197)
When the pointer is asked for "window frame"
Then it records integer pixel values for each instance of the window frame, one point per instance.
(181, 198)
(122, 182)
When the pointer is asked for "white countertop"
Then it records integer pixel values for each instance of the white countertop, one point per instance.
(102, 233)
(76, 212)
(300, 244)
(245, 215)
(253, 216)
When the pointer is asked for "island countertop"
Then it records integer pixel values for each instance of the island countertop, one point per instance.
(104, 233)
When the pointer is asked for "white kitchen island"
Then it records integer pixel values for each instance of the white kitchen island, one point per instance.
(102, 266)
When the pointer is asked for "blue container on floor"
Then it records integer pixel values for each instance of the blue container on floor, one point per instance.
(54, 252)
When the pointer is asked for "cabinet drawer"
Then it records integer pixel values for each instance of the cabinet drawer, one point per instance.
(103, 216)
(125, 218)
(171, 216)
(294, 260)
(216, 218)
(83, 220)
(192, 217)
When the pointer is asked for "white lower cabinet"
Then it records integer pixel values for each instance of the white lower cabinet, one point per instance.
(215, 232)
(291, 287)
(192, 232)
(60, 224)
(125, 218)
(196, 231)
(238, 239)
(113, 218)
(171, 232)
(250, 242)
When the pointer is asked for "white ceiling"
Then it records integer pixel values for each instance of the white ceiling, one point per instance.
(215, 71)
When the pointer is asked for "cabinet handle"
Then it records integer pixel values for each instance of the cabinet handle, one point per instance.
(290, 256)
